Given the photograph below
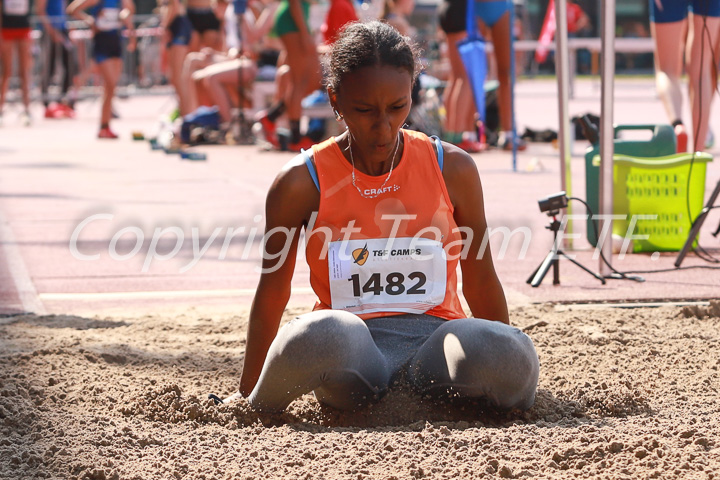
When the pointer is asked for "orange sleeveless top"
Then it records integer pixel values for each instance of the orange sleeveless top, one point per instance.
(394, 253)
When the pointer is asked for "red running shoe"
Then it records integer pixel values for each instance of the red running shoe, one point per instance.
(66, 110)
(305, 143)
(53, 111)
(107, 133)
(471, 147)
(681, 138)
(269, 130)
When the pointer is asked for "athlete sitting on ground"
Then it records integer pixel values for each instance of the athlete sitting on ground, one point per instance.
(388, 214)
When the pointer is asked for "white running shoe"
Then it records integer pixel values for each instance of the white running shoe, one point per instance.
(709, 139)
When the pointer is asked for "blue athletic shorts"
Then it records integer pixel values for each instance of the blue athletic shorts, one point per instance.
(666, 11)
(180, 31)
(491, 12)
(106, 45)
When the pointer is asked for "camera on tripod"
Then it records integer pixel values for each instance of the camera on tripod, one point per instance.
(553, 203)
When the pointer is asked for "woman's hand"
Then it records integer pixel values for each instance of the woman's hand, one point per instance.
(90, 22)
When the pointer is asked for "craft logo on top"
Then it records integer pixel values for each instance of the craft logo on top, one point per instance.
(378, 191)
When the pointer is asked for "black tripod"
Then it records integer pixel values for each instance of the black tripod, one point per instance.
(553, 258)
(695, 230)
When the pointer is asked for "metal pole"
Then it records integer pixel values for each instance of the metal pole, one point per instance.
(511, 7)
(562, 71)
(607, 133)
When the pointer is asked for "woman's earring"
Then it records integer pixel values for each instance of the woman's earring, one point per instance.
(338, 117)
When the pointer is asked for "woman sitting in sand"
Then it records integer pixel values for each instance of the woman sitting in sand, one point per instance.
(389, 213)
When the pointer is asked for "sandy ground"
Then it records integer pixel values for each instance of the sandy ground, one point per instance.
(624, 393)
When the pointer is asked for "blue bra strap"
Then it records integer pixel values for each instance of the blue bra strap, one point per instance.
(438, 144)
(311, 168)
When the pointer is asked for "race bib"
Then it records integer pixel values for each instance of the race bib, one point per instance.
(17, 8)
(387, 275)
(109, 19)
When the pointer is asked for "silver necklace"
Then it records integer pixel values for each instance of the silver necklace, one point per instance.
(352, 161)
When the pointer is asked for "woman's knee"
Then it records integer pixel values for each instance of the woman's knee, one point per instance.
(327, 331)
(6, 66)
(282, 71)
(484, 359)
(206, 81)
(110, 84)
(488, 341)
(502, 359)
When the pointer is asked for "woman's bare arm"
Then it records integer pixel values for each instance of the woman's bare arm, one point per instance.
(77, 8)
(289, 205)
(481, 286)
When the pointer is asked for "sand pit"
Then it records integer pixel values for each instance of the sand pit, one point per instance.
(624, 393)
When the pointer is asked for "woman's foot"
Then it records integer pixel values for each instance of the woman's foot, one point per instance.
(471, 146)
(505, 143)
(681, 138)
(269, 130)
(67, 110)
(305, 143)
(219, 401)
(107, 133)
(53, 111)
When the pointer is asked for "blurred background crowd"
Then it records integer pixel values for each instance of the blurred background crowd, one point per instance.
(256, 67)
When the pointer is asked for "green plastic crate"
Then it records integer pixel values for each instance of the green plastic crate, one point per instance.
(662, 142)
(658, 186)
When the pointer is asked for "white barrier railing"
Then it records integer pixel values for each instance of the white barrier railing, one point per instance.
(144, 67)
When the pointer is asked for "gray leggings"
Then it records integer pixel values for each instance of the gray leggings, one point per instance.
(348, 363)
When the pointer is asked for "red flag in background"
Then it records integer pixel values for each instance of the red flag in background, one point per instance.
(546, 34)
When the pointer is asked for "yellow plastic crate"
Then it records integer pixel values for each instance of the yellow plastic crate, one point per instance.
(658, 186)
